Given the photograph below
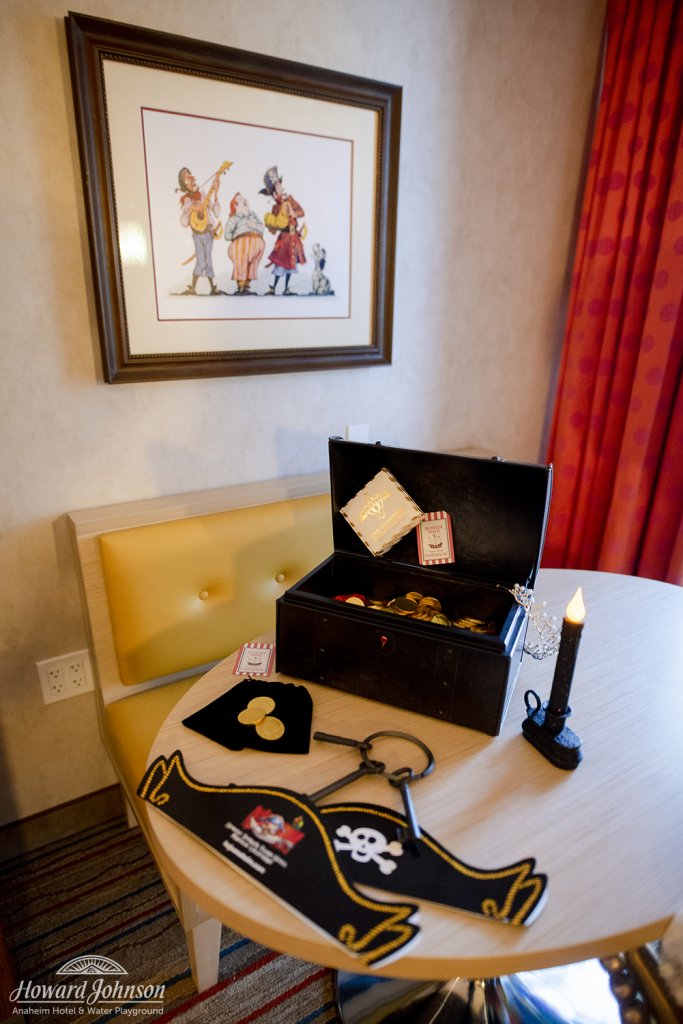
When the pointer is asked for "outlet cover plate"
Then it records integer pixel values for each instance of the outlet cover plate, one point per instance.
(66, 676)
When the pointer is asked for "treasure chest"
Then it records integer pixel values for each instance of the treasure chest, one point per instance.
(420, 613)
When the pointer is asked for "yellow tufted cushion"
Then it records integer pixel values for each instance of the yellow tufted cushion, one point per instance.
(130, 726)
(185, 593)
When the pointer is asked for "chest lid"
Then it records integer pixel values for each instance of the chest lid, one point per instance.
(498, 509)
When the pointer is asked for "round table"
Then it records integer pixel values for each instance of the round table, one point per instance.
(608, 835)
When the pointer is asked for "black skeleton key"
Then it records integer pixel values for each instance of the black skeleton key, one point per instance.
(402, 779)
(329, 737)
(366, 767)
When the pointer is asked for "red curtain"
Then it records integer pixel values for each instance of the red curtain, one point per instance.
(616, 439)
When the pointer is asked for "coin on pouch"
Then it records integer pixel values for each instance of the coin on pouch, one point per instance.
(251, 716)
(270, 728)
(267, 704)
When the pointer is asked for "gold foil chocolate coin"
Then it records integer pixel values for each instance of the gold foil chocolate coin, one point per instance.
(441, 619)
(431, 602)
(270, 728)
(474, 625)
(266, 703)
(414, 595)
(405, 605)
(256, 710)
(251, 716)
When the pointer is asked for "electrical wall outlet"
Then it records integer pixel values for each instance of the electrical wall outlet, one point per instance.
(64, 677)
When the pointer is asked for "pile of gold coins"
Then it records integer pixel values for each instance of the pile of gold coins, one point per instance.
(257, 713)
(414, 605)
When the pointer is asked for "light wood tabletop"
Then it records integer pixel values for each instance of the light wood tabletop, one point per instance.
(608, 835)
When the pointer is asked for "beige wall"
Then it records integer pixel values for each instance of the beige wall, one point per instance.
(495, 107)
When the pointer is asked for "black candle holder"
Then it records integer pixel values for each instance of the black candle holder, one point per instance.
(548, 732)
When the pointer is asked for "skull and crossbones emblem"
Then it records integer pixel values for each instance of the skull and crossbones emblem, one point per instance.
(368, 844)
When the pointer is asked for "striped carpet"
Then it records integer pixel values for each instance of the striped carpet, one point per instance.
(97, 893)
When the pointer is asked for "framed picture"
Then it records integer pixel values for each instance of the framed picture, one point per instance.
(241, 209)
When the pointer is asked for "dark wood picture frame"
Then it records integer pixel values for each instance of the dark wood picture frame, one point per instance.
(95, 45)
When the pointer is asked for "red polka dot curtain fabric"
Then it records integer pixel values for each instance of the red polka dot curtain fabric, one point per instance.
(616, 440)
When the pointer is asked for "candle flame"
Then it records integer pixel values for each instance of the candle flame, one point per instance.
(576, 610)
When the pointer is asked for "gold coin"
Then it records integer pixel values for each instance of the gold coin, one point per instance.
(441, 619)
(251, 716)
(355, 600)
(474, 625)
(405, 605)
(431, 602)
(266, 703)
(270, 728)
(414, 595)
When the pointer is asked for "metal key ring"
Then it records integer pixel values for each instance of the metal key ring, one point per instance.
(367, 745)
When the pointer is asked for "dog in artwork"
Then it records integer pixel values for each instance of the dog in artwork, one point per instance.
(320, 283)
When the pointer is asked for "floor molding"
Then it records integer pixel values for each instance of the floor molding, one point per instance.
(28, 834)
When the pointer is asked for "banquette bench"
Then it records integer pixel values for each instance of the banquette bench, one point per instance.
(173, 585)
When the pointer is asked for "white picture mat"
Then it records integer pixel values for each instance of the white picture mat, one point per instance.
(326, 153)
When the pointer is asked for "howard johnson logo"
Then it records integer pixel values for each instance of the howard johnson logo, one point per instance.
(92, 984)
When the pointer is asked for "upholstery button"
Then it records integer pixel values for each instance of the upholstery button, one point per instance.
(204, 595)
(280, 578)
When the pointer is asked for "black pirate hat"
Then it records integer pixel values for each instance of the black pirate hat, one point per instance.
(270, 180)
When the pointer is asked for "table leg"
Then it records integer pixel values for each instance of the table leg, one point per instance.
(203, 937)
(591, 992)
(203, 948)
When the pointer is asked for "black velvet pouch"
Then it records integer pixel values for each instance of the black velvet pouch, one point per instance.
(218, 721)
